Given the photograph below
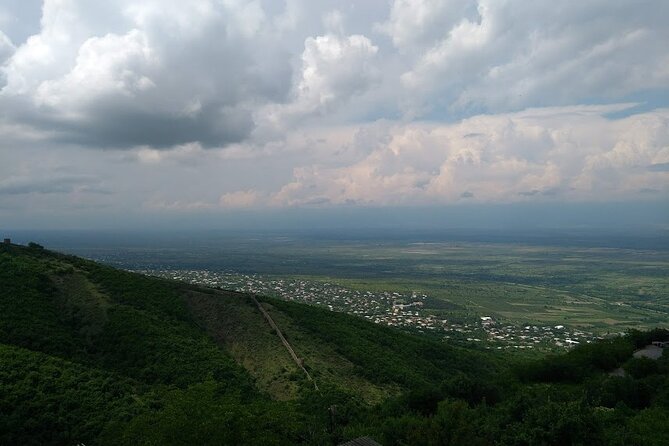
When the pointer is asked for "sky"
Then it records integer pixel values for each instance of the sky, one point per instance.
(129, 112)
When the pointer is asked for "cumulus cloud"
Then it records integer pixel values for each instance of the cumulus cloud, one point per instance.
(334, 68)
(159, 74)
(415, 24)
(227, 104)
(239, 199)
(155, 74)
(570, 153)
(501, 55)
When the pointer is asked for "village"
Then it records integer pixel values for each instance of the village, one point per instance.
(404, 311)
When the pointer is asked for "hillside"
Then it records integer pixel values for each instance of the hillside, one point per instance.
(90, 354)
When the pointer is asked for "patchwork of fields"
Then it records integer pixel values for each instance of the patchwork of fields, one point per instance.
(594, 289)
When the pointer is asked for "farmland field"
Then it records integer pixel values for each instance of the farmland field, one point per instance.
(594, 286)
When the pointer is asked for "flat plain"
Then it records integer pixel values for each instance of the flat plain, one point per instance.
(598, 288)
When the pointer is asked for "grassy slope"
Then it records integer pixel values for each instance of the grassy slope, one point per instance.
(234, 322)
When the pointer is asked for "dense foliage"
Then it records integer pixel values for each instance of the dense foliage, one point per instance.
(93, 355)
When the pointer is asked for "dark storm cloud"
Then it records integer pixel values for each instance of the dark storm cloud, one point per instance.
(116, 127)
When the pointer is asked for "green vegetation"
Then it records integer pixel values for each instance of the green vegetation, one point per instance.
(597, 289)
(567, 281)
(90, 354)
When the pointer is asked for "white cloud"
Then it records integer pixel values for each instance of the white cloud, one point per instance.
(555, 153)
(418, 23)
(508, 55)
(333, 69)
(240, 199)
(109, 65)
(230, 103)
(156, 74)
(183, 154)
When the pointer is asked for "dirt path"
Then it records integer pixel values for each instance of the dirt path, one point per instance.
(285, 342)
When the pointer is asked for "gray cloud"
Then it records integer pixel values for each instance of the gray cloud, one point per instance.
(500, 56)
(242, 104)
(60, 185)
(156, 75)
(659, 167)
(20, 20)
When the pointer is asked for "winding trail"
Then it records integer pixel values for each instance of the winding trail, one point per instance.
(285, 342)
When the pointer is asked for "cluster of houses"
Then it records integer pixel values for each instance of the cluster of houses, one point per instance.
(402, 310)
(381, 307)
(533, 336)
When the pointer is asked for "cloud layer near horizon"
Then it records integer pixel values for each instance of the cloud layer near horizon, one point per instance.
(138, 107)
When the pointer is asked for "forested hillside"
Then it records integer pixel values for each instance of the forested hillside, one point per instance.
(94, 355)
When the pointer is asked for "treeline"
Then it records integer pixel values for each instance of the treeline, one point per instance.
(566, 399)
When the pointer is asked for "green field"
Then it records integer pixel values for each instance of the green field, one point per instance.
(592, 288)
(598, 289)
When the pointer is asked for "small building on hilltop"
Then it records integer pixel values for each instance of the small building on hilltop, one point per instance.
(7, 241)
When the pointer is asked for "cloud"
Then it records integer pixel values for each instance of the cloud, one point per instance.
(239, 199)
(510, 55)
(226, 104)
(659, 167)
(178, 206)
(153, 74)
(334, 68)
(572, 153)
(57, 185)
(186, 154)
(6, 48)
(415, 24)
(158, 74)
